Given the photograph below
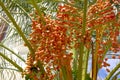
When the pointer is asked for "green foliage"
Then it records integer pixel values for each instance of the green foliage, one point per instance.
(27, 77)
(88, 77)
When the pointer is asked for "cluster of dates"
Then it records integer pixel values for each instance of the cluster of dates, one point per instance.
(52, 39)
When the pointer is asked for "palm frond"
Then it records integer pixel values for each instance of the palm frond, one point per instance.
(18, 11)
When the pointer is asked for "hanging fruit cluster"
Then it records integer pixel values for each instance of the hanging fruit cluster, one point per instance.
(53, 39)
(103, 19)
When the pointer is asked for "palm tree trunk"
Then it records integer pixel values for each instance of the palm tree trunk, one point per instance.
(3, 29)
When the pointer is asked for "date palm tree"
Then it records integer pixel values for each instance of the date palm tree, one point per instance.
(84, 25)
